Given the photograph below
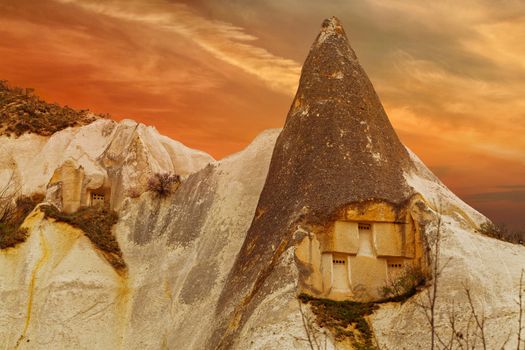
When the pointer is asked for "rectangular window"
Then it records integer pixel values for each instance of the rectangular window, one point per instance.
(395, 265)
(97, 199)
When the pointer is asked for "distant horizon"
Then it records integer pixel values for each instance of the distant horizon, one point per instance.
(215, 75)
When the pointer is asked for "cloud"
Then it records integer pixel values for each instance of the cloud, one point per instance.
(513, 187)
(87, 50)
(223, 40)
(511, 196)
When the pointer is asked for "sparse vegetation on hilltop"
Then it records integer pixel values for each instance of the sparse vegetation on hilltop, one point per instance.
(21, 111)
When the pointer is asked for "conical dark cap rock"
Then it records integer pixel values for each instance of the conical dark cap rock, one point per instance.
(337, 148)
(338, 145)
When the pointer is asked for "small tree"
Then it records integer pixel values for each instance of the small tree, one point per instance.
(163, 184)
(13, 210)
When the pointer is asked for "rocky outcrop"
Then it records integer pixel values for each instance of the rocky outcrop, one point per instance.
(115, 157)
(337, 148)
(178, 251)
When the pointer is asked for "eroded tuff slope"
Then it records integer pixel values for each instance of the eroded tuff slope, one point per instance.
(178, 251)
(213, 266)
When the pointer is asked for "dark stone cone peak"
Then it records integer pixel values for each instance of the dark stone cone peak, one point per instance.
(338, 145)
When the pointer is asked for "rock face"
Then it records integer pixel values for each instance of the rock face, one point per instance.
(99, 158)
(337, 148)
(220, 263)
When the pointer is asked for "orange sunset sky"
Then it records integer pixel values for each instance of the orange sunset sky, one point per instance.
(213, 74)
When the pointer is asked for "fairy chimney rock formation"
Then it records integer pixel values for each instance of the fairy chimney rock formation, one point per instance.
(337, 168)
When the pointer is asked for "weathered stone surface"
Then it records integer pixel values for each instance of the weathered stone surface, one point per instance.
(179, 267)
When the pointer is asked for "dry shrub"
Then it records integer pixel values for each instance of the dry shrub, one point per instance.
(502, 233)
(11, 236)
(163, 184)
(13, 214)
(403, 286)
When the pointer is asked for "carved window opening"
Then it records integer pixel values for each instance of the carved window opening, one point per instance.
(97, 199)
(365, 240)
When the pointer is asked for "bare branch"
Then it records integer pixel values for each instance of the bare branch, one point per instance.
(506, 341)
(8, 195)
(305, 325)
(520, 316)
(480, 319)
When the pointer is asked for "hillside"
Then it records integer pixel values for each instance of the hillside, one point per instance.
(21, 111)
(326, 234)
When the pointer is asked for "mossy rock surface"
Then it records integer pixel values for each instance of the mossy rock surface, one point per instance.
(346, 319)
(96, 223)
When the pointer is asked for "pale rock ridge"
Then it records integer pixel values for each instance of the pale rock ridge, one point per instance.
(198, 233)
(423, 181)
(124, 154)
